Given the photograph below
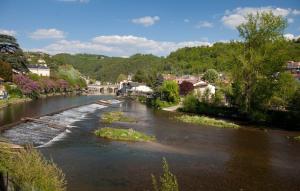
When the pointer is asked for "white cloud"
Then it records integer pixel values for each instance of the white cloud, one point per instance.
(204, 24)
(8, 32)
(116, 45)
(186, 20)
(47, 34)
(233, 18)
(290, 20)
(146, 21)
(289, 36)
(296, 12)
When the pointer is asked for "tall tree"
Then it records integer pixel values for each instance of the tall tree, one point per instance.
(11, 53)
(259, 60)
(5, 71)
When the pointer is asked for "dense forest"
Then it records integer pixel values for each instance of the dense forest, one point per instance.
(189, 60)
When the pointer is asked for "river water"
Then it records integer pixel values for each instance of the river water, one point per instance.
(202, 158)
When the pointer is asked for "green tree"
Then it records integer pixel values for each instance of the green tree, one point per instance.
(11, 53)
(169, 91)
(259, 59)
(121, 77)
(5, 71)
(140, 76)
(286, 88)
(211, 75)
(168, 181)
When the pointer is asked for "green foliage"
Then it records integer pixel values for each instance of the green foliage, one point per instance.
(168, 181)
(211, 75)
(71, 75)
(13, 91)
(121, 77)
(5, 71)
(107, 69)
(201, 120)
(157, 103)
(110, 117)
(286, 87)
(11, 53)
(169, 91)
(258, 60)
(123, 134)
(29, 170)
(34, 77)
(190, 104)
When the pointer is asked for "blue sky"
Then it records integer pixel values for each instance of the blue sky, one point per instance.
(125, 27)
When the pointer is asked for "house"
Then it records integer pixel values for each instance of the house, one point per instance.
(41, 70)
(201, 87)
(294, 69)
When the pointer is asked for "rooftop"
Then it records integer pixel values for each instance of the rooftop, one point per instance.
(37, 67)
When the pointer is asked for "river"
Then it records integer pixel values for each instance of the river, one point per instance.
(202, 158)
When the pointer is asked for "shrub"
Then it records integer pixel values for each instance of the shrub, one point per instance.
(186, 87)
(168, 181)
(190, 104)
(29, 170)
(211, 75)
(169, 91)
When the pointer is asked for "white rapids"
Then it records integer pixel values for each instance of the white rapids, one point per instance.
(42, 135)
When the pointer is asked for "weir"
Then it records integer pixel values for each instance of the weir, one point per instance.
(45, 122)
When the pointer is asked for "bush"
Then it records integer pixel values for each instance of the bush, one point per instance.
(186, 87)
(169, 91)
(190, 104)
(13, 91)
(29, 170)
(211, 75)
(168, 181)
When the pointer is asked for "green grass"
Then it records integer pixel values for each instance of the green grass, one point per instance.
(115, 116)
(201, 120)
(123, 134)
(29, 170)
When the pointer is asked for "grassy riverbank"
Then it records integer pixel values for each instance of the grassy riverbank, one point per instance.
(116, 116)
(123, 134)
(201, 120)
(11, 101)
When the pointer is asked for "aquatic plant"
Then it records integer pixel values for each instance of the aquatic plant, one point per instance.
(168, 181)
(115, 116)
(28, 170)
(123, 134)
(201, 120)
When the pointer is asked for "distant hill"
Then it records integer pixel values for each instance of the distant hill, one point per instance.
(189, 60)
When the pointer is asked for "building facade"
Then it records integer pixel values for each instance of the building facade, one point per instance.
(41, 70)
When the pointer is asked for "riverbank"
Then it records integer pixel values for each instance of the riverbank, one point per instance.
(12, 101)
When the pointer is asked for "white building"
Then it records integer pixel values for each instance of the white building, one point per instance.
(41, 70)
(202, 87)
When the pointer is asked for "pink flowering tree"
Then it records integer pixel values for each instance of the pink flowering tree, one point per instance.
(27, 86)
(47, 85)
(62, 85)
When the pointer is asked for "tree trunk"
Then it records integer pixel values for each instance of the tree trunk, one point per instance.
(2, 182)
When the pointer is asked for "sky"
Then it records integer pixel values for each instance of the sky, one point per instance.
(125, 27)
